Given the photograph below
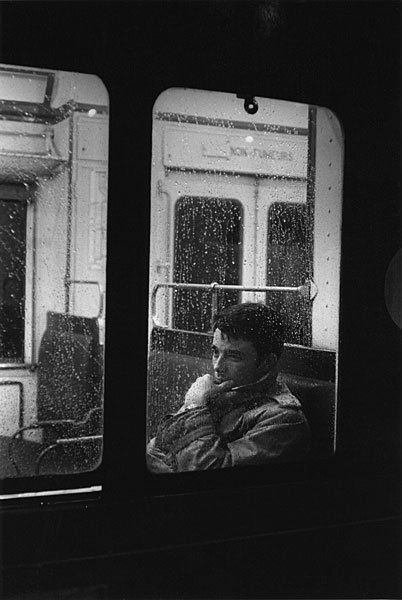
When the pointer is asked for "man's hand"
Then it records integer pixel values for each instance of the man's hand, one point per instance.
(204, 390)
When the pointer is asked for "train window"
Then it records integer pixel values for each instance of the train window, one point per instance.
(288, 265)
(244, 282)
(214, 257)
(12, 266)
(53, 198)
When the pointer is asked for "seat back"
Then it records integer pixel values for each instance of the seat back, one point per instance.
(69, 371)
(170, 375)
(317, 398)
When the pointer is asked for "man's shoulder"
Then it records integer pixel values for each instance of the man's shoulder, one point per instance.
(274, 397)
(278, 406)
(275, 403)
(283, 396)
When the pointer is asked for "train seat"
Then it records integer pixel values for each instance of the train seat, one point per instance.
(69, 399)
(171, 374)
(70, 390)
(69, 368)
(317, 398)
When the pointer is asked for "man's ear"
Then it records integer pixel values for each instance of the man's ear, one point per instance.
(268, 363)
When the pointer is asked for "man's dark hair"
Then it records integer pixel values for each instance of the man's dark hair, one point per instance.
(255, 322)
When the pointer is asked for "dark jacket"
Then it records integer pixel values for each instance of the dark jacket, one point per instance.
(259, 424)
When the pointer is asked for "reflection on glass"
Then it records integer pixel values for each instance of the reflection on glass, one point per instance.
(53, 198)
(244, 282)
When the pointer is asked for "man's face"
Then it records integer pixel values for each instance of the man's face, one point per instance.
(235, 359)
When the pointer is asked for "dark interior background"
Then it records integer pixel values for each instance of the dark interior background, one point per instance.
(343, 55)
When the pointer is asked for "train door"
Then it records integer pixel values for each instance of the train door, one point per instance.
(240, 231)
(285, 255)
(210, 239)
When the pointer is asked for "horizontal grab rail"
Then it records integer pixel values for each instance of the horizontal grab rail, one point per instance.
(61, 442)
(307, 290)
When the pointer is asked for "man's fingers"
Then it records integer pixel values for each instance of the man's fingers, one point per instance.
(225, 386)
(204, 389)
(221, 388)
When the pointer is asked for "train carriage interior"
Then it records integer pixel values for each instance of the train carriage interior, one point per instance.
(53, 190)
(245, 208)
(159, 162)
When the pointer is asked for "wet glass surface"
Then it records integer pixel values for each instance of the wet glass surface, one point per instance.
(12, 287)
(288, 265)
(53, 206)
(252, 201)
(215, 255)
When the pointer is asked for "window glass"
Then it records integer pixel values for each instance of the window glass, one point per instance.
(244, 282)
(53, 199)
(214, 256)
(12, 274)
(288, 265)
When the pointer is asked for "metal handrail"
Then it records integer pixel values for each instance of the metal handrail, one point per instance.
(61, 442)
(69, 282)
(43, 425)
(307, 290)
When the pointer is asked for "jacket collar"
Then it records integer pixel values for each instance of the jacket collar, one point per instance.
(258, 393)
(269, 386)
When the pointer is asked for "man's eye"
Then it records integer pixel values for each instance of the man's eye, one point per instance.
(234, 357)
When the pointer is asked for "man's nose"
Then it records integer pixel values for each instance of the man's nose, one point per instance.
(219, 364)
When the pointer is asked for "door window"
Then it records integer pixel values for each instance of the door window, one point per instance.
(12, 279)
(287, 265)
(207, 249)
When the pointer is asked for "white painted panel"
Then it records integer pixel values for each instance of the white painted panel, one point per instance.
(266, 153)
(327, 229)
(50, 250)
(29, 138)
(23, 87)
(92, 138)
(89, 219)
(8, 401)
(86, 89)
(89, 240)
(9, 408)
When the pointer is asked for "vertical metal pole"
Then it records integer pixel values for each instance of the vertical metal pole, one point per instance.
(34, 266)
(67, 279)
(256, 194)
(214, 303)
(311, 162)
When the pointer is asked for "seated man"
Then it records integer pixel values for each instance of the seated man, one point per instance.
(241, 416)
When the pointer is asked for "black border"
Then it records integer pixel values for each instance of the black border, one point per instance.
(330, 530)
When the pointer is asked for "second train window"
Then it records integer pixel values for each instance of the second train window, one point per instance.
(245, 224)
